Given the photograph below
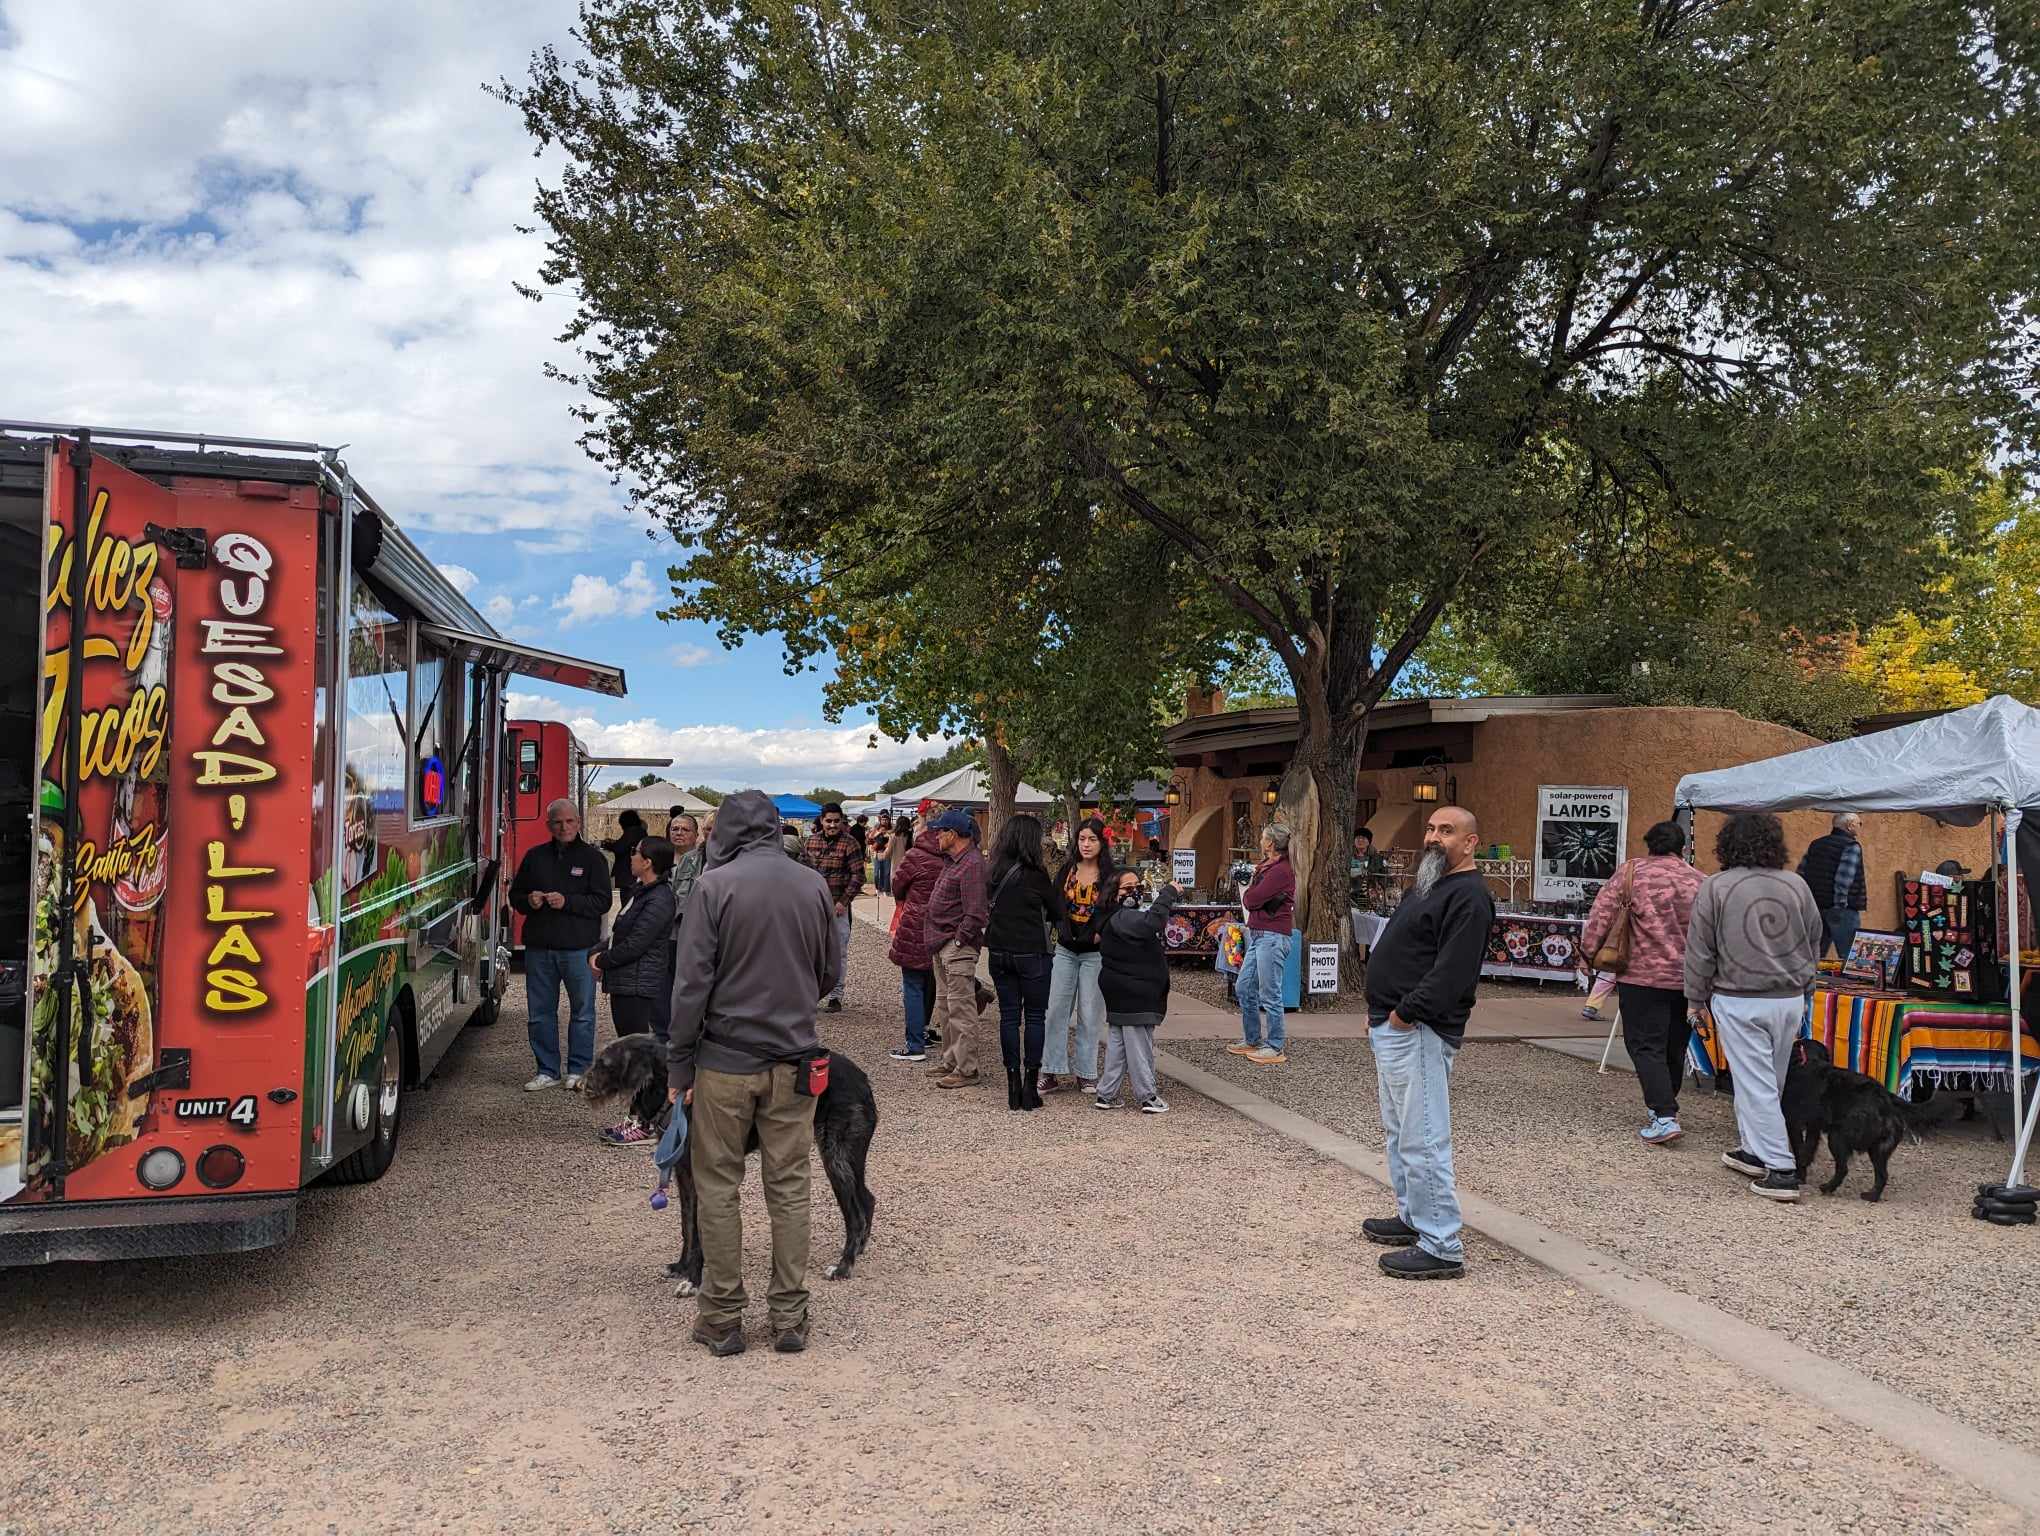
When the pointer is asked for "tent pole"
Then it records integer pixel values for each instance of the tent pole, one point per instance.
(2022, 1118)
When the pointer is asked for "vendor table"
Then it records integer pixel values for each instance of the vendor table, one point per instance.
(1531, 947)
(1193, 930)
(1899, 1040)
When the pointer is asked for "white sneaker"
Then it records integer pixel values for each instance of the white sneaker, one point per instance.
(1267, 1056)
(541, 1081)
(1155, 1106)
(573, 1082)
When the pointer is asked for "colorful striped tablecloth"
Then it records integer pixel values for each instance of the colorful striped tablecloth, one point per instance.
(1898, 1039)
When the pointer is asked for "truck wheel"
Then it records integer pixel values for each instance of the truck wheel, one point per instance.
(369, 1163)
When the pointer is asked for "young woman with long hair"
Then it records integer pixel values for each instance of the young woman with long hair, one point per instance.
(1085, 885)
(1024, 902)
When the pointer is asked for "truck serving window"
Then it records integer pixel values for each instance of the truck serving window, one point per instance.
(438, 712)
(373, 798)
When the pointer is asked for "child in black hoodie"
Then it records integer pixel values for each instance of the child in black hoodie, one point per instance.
(1134, 978)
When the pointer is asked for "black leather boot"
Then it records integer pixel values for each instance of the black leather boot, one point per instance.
(1030, 1087)
(1012, 1090)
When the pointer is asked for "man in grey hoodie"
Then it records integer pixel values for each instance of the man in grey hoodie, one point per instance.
(1751, 949)
(758, 951)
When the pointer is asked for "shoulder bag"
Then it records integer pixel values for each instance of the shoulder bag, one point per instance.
(1613, 953)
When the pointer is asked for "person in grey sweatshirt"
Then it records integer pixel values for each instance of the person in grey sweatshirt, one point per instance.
(1751, 950)
(758, 950)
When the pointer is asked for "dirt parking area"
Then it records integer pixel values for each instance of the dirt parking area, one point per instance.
(1910, 1291)
(1067, 1321)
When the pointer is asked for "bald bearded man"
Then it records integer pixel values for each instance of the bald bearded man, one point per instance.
(1420, 984)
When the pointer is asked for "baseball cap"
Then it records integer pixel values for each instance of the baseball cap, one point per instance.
(958, 822)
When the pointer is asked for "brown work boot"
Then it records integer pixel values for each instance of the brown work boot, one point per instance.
(721, 1342)
(940, 1069)
(791, 1341)
(955, 1080)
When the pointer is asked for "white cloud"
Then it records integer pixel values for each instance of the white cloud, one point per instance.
(302, 231)
(739, 757)
(596, 597)
(500, 610)
(463, 579)
(692, 655)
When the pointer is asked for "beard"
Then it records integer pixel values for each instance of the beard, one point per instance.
(1430, 869)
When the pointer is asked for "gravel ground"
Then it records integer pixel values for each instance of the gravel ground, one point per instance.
(1066, 1321)
(1910, 1291)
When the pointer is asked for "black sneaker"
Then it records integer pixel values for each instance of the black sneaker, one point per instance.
(1415, 1264)
(906, 1053)
(835, 1005)
(1739, 1160)
(729, 1341)
(1389, 1231)
(1777, 1184)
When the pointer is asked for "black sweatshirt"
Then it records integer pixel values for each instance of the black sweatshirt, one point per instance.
(1022, 908)
(579, 873)
(1133, 973)
(1428, 960)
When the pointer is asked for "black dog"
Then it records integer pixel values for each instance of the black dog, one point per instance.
(846, 1118)
(1856, 1113)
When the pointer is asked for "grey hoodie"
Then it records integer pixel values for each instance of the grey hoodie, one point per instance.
(1754, 933)
(757, 952)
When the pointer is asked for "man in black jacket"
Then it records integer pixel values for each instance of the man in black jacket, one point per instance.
(562, 888)
(1420, 984)
(1832, 868)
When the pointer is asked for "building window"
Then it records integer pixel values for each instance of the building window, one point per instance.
(438, 710)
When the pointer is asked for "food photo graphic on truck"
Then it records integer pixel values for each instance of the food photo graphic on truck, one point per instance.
(256, 800)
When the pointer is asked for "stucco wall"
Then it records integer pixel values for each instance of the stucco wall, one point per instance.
(1645, 750)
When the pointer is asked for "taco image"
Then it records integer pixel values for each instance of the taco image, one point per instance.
(123, 1040)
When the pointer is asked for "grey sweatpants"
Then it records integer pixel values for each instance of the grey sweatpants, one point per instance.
(1129, 1055)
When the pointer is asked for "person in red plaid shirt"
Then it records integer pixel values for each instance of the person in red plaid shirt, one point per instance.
(839, 859)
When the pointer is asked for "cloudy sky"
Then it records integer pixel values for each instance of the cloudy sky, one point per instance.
(299, 222)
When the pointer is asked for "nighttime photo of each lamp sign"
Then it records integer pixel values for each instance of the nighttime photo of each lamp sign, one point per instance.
(234, 758)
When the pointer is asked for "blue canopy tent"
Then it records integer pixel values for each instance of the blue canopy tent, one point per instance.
(795, 808)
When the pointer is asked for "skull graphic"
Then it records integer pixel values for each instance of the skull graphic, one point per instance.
(1558, 950)
(1517, 942)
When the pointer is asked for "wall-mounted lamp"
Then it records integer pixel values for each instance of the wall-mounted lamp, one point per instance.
(1425, 792)
(1172, 796)
(1271, 794)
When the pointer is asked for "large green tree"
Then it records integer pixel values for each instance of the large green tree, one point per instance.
(1349, 303)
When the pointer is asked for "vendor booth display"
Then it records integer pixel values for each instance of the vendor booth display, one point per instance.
(1194, 929)
(1904, 1042)
(1951, 939)
(1962, 768)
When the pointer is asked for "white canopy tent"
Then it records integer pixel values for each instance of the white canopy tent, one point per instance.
(969, 788)
(1958, 768)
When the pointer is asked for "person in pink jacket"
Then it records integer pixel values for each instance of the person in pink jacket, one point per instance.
(1651, 987)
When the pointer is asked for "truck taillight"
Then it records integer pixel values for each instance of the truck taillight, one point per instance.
(220, 1167)
(160, 1168)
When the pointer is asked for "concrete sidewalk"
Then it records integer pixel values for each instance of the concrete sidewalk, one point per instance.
(1499, 1015)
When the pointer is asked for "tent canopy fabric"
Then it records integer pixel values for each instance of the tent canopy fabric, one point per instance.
(795, 807)
(657, 796)
(1956, 767)
(968, 787)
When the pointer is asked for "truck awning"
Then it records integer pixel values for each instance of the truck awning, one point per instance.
(529, 660)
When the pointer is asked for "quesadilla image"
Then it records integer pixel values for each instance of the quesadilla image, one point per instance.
(122, 1042)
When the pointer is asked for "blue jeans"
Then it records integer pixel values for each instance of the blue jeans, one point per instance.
(544, 970)
(1022, 984)
(1413, 1070)
(1838, 929)
(881, 876)
(1073, 988)
(843, 926)
(1259, 988)
(917, 996)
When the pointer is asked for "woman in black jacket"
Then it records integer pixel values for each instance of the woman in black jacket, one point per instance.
(1024, 902)
(636, 965)
(1134, 977)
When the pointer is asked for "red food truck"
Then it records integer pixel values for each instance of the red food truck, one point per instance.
(550, 763)
(252, 810)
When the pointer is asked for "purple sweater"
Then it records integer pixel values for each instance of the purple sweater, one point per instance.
(1271, 900)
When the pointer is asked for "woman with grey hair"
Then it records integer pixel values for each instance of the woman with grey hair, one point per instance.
(1270, 901)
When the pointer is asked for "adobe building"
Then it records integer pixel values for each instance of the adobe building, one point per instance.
(1497, 757)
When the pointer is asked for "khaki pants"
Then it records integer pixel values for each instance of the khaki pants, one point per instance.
(727, 1106)
(955, 971)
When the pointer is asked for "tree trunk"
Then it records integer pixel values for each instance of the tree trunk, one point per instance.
(1002, 783)
(1317, 803)
(1073, 809)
